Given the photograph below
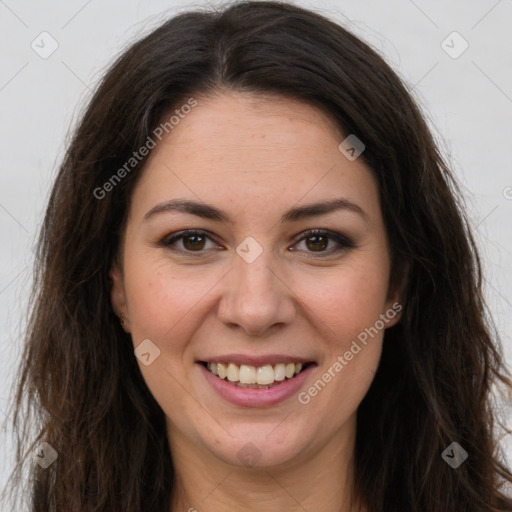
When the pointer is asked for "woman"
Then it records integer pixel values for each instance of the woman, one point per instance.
(257, 289)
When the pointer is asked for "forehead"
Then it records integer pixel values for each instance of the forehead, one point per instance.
(254, 151)
(263, 126)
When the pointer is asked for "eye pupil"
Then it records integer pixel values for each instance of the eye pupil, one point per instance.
(316, 243)
(194, 245)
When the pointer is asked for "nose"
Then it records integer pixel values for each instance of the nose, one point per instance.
(257, 297)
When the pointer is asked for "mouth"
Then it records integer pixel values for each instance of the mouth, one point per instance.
(248, 376)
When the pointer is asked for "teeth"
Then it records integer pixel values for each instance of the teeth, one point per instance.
(290, 370)
(265, 375)
(255, 377)
(213, 368)
(248, 374)
(221, 369)
(233, 373)
(279, 372)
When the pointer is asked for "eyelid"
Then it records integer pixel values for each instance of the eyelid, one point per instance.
(168, 240)
(342, 241)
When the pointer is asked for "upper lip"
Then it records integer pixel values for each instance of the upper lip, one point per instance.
(252, 360)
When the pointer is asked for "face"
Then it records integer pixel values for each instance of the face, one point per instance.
(253, 287)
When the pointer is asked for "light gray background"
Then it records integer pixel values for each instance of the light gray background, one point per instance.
(468, 101)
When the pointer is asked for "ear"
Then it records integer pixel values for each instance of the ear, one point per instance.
(118, 296)
(396, 293)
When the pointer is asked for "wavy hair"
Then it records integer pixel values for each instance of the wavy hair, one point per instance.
(79, 387)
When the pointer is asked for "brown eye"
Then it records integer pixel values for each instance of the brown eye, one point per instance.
(193, 242)
(317, 242)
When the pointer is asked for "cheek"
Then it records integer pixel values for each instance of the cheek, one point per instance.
(163, 308)
(346, 313)
(168, 305)
(346, 308)
(345, 301)
(160, 298)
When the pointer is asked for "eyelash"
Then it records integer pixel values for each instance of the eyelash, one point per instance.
(342, 241)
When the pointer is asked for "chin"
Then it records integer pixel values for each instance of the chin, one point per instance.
(260, 448)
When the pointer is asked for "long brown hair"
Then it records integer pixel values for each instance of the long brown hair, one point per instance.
(85, 395)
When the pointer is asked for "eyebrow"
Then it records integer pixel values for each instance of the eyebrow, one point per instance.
(207, 211)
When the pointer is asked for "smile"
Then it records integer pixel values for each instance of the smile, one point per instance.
(255, 377)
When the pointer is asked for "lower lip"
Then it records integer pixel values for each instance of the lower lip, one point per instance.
(249, 397)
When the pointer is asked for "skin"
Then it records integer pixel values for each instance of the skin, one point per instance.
(255, 157)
